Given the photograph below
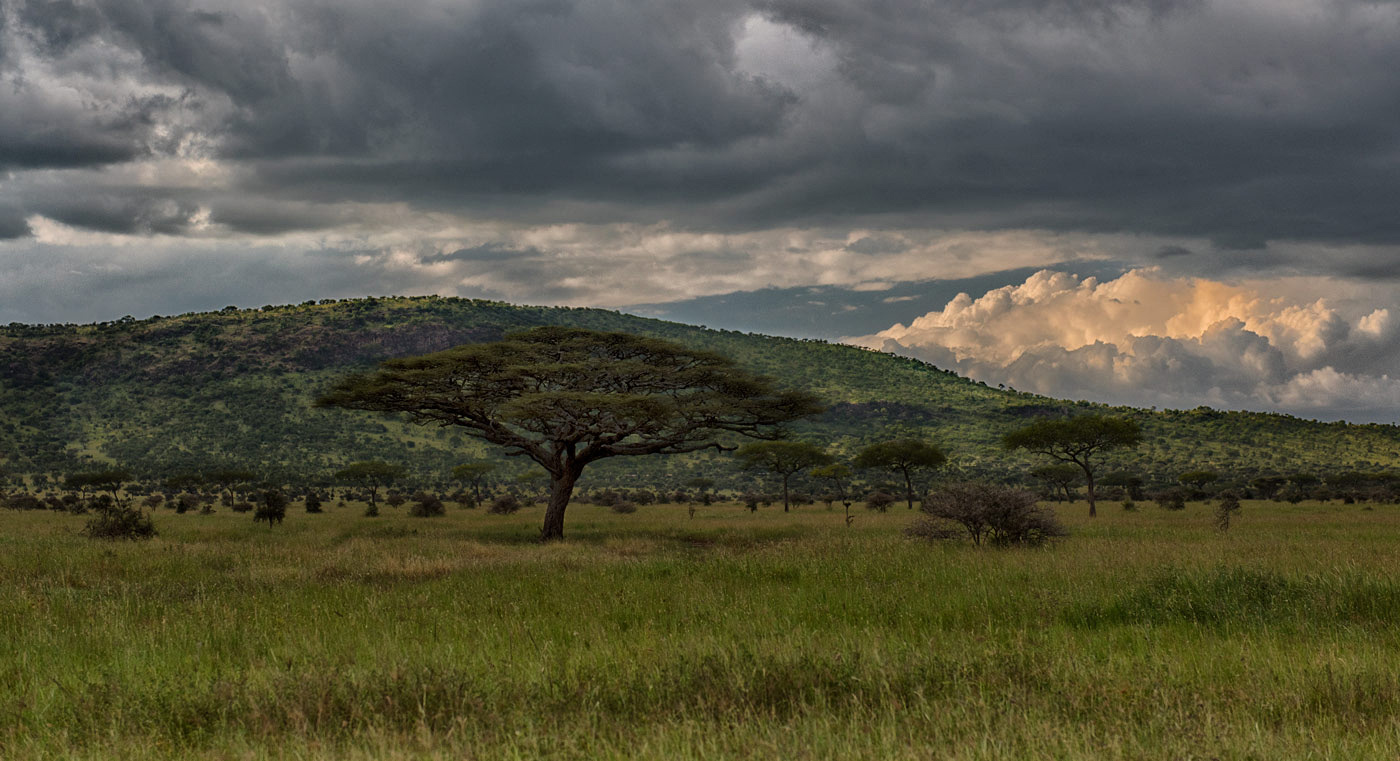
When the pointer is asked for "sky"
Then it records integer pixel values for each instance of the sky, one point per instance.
(1138, 201)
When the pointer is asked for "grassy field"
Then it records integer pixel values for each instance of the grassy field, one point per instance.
(1145, 635)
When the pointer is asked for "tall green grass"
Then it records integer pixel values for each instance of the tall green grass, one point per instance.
(731, 635)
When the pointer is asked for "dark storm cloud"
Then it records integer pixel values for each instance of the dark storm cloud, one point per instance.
(12, 223)
(1240, 123)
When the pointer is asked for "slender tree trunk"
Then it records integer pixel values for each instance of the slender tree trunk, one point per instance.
(561, 489)
(909, 488)
(1089, 478)
(786, 476)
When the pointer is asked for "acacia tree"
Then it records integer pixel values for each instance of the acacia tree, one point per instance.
(1076, 440)
(902, 456)
(109, 481)
(568, 397)
(375, 474)
(1062, 476)
(839, 476)
(474, 473)
(785, 458)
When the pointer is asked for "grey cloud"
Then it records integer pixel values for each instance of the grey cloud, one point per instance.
(12, 223)
(487, 252)
(1233, 123)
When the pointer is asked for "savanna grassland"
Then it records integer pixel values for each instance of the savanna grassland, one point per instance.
(1145, 635)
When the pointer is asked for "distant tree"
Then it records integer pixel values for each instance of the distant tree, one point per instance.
(227, 479)
(1198, 480)
(903, 457)
(373, 474)
(272, 507)
(1131, 483)
(702, 487)
(879, 500)
(1076, 440)
(568, 397)
(1268, 486)
(312, 502)
(839, 478)
(476, 474)
(783, 458)
(1229, 505)
(110, 481)
(1062, 476)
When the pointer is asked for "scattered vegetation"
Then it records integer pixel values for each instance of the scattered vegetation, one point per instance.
(987, 514)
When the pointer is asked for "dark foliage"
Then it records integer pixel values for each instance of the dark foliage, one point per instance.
(272, 507)
(624, 508)
(426, 505)
(1228, 506)
(988, 514)
(1170, 499)
(504, 505)
(113, 521)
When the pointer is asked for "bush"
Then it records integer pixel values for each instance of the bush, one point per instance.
(271, 508)
(239, 507)
(1170, 499)
(394, 499)
(1229, 505)
(118, 522)
(23, 502)
(1129, 505)
(504, 505)
(426, 505)
(879, 500)
(313, 503)
(987, 513)
(624, 508)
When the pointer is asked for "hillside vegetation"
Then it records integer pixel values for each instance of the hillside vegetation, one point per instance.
(233, 388)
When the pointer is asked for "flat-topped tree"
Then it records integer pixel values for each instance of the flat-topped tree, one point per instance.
(567, 397)
(784, 458)
(374, 474)
(1076, 440)
(904, 457)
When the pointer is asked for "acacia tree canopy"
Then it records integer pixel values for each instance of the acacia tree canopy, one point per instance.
(1076, 440)
(567, 397)
(784, 458)
(902, 456)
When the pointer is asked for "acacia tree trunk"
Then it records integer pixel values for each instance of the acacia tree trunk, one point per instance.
(786, 476)
(561, 489)
(1089, 479)
(909, 488)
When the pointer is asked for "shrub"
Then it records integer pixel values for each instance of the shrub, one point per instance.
(504, 505)
(242, 507)
(879, 500)
(1170, 499)
(750, 501)
(153, 501)
(1129, 505)
(987, 514)
(394, 499)
(624, 508)
(23, 502)
(117, 522)
(313, 502)
(426, 505)
(1229, 505)
(271, 508)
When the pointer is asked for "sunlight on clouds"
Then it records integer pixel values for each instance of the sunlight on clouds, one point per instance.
(1147, 338)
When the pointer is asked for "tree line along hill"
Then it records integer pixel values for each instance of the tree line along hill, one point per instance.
(233, 389)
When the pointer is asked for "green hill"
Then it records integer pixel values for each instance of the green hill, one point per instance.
(195, 392)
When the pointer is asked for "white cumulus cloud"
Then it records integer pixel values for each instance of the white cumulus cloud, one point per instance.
(1146, 338)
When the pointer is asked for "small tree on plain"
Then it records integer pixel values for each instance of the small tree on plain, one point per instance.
(783, 458)
(373, 474)
(1062, 476)
(271, 508)
(1228, 506)
(1077, 440)
(476, 474)
(903, 457)
(839, 478)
